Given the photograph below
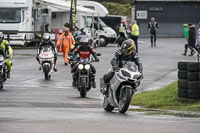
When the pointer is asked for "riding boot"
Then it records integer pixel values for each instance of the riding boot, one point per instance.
(8, 74)
(93, 81)
(55, 68)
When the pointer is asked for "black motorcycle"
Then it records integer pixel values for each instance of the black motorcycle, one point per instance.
(3, 71)
(83, 80)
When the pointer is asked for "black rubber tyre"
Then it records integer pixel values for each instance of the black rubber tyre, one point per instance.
(46, 76)
(182, 84)
(182, 93)
(182, 74)
(193, 76)
(83, 89)
(107, 107)
(104, 41)
(193, 67)
(193, 85)
(194, 94)
(182, 65)
(125, 100)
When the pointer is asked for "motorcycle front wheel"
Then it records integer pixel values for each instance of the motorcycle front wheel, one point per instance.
(107, 107)
(125, 99)
(83, 89)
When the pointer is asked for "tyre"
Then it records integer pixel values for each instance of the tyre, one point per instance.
(194, 94)
(182, 93)
(46, 72)
(182, 74)
(182, 65)
(193, 85)
(193, 67)
(107, 107)
(46, 76)
(125, 99)
(83, 89)
(120, 41)
(182, 84)
(103, 41)
(193, 76)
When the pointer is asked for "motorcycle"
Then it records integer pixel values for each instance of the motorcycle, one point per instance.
(122, 37)
(122, 87)
(84, 74)
(46, 58)
(3, 71)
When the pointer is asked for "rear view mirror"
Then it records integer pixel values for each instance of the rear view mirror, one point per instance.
(98, 54)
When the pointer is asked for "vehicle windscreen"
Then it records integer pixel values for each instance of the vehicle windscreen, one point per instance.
(130, 66)
(10, 15)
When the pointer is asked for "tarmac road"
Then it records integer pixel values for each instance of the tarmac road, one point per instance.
(29, 104)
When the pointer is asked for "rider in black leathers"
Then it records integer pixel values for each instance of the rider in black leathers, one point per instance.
(47, 41)
(126, 53)
(84, 50)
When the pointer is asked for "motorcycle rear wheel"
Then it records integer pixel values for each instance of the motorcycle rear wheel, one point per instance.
(125, 99)
(107, 107)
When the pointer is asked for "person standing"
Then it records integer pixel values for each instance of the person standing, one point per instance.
(65, 41)
(135, 34)
(153, 25)
(192, 39)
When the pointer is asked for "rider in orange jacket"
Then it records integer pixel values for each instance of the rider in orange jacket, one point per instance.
(65, 41)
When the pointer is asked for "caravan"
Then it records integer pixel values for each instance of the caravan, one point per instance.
(35, 15)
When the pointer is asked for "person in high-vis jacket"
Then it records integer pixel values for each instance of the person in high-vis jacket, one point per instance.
(135, 34)
(65, 41)
(8, 51)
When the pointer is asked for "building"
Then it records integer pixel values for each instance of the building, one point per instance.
(170, 14)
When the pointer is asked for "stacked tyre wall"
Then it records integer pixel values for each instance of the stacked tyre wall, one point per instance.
(189, 81)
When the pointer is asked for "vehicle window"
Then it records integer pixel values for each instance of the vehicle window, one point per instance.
(10, 15)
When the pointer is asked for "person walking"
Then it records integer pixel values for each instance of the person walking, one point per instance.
(135, 34)
(153, 25)
(192, 39)
(65, 41)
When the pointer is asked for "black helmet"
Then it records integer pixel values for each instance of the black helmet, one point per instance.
(128, 47)
(84, 40)
(46, 37)
(78, 38)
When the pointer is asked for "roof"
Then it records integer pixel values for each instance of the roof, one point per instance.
(169, 0)
(61, 6)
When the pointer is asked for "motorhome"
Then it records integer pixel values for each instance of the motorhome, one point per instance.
(28, 15)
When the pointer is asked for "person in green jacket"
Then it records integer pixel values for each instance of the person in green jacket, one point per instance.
(135, 34)
(5, 46)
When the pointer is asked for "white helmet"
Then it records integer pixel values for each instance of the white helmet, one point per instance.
(46, 37)
(1, 36)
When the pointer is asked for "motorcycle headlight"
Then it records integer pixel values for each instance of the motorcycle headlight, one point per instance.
(87, 67)
(80, 66)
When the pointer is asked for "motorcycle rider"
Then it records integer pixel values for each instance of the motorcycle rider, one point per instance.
(153, 25)
(8, 52)
(127, 52)
(46, 40)
(122, 30)
(84, 50)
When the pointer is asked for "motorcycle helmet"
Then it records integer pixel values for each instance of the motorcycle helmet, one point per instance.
(46, 37)
(84, 40)
(78, 38)
(1, 36)
(128, 47)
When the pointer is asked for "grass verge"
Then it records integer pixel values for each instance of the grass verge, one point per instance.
(165, 98)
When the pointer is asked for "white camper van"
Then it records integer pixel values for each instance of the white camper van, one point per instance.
(27, 15)
(108, 34)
